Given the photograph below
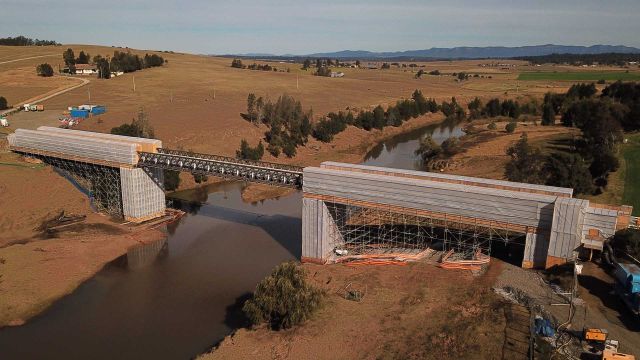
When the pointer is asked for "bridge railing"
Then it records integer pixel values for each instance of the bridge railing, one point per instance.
(223, 166)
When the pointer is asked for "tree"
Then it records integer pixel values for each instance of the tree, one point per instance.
(526, 163)
(248, 153)
(251, 107)
(627, 240)
(428, 149)
(44, 70)
(237, 63)
(451, 146)
(200, 178)
(493, 108)
(69, 58)
(104, 70)
(419, 74)
(378, 117)
(3, 103)
(357, 63)
(548, 115)
(569, 170)
(82, 58)
(139, 127)
(306, 64)
(511, 127)
(171, 180)
(283, 299)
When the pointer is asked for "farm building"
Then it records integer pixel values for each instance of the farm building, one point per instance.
(86, 69)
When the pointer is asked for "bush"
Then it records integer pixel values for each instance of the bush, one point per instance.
(492, 126)
(627, 240)
(283, 299)
(44, 70)
(451, 146)
(3, 103)
(200, 178)
(171, 180)
(246, 152)
(511, 127)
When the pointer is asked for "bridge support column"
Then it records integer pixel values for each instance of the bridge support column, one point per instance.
(320, 235)
(142, 194)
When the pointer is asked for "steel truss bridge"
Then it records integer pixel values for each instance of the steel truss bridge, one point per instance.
(222, 166)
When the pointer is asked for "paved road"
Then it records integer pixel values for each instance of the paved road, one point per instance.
(28, 58)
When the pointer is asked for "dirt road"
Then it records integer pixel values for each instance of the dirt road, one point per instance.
(27, 58)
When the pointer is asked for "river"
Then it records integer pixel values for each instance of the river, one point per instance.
(177, 298)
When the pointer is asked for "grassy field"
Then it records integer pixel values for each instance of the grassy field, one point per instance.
(631, 154)
(580, 75)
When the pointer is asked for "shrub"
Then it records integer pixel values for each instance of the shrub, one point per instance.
(511, 127)
(171, 180)
(428, 149)
(451, 146)
(3, 103)
(627, 240)
(44, 70)
(283, 299)
(246, 152)
(492, 126)
(200, 178)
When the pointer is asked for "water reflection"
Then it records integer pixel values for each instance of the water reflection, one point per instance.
(171, 299)
(399, 151)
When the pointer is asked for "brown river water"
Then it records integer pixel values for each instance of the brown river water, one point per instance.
(177, 298)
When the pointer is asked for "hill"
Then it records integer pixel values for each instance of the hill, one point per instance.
(466, 52)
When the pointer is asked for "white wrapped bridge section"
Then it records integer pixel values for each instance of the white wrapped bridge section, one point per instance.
(139, 191)
(552, 222)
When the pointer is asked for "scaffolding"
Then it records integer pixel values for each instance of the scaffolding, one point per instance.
(100, 183)
(361, 230)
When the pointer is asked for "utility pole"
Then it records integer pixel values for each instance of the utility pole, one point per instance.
(297, 82)
(134, 83)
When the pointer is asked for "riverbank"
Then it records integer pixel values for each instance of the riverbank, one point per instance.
(351, 146)
(38, 268)
(414, 311)
(35, 271)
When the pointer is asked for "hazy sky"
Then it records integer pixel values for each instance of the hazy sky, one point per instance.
(303, 26)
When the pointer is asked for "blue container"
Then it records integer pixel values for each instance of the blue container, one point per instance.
(77, 113)
(629, 276)
(97, 110)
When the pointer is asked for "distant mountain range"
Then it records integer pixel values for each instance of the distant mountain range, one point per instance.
(465, 52)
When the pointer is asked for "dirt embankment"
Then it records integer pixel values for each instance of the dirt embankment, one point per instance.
(37, 268)
(417, 311)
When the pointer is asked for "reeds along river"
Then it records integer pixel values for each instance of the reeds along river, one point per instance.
(176, 298)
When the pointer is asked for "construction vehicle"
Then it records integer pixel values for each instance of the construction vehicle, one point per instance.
(614, 355)
(596, 335)
(627, 277)
(601, 344)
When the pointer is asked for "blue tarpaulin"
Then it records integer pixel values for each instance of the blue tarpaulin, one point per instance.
(544, 327)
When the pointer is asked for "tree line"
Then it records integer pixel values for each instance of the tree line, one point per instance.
(25, 41)
(237, 63)
(617, 59)
(120, 61)
(601, 119)
(290, 126)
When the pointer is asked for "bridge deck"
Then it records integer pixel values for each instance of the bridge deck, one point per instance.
(255, 171)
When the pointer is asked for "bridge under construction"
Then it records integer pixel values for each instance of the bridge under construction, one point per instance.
(347, 209)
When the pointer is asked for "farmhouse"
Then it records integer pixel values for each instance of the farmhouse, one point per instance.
(86, 69)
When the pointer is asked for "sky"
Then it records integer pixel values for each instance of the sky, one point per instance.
(304, 26)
